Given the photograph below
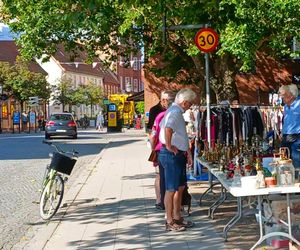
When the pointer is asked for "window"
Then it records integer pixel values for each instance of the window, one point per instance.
(4, 111)
(135, 85)
(135, 65)
(128, 87)
(141, 86)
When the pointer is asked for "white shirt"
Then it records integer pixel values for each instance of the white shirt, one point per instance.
(174, 119)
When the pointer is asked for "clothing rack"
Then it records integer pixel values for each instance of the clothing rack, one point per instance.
(238, 131)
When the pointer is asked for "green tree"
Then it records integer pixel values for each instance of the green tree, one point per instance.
(140, 107)
(5, 70)
(64, 93)
(21, 83)
(90, 94)
(245, 27)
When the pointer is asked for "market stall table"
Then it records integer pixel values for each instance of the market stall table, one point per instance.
(240, 192)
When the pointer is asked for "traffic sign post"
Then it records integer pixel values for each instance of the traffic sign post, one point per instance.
(207, 41)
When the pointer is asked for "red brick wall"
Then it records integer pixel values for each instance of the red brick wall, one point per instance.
(269, 75)
(154, 87)
(126, 70)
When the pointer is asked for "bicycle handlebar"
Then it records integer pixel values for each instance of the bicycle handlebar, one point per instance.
(58, 149)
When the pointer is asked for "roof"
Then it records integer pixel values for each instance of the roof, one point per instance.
(76, 63)
(110, 77)
(9, 52)
(137, 97)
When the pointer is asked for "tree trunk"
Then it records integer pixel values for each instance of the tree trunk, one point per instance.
(223, 79)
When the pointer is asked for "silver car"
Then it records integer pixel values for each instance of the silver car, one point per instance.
(61, 124)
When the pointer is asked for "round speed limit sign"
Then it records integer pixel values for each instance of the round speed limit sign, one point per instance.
(207, 40)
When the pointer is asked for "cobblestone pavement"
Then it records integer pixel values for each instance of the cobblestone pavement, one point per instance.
(22, 165)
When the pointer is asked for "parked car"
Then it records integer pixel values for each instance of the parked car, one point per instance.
(61, 124)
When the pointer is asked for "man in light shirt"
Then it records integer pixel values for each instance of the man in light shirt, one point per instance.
(174, 155)
(291, 121)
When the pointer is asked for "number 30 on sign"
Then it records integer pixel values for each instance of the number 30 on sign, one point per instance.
(207, 40)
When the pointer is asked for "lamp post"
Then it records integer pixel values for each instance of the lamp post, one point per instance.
(1, 92)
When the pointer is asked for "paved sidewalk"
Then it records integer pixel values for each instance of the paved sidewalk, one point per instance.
(112, 207)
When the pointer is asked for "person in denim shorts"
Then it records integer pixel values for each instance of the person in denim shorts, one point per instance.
(174, 155)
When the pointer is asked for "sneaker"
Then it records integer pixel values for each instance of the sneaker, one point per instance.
(186, 224)
(173, 226)
(159, 206)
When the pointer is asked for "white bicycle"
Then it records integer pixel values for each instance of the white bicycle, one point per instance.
(62, 163)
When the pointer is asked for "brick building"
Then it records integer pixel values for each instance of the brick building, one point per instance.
(252, 87)
(129, 73)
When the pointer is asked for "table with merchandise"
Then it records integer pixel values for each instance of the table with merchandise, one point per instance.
(244, 191)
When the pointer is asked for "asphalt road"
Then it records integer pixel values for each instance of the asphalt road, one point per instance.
(23, 158)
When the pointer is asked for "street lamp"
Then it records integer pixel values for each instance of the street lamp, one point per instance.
(1, 92)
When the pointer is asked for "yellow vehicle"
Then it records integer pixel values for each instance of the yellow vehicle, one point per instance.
(125, 108)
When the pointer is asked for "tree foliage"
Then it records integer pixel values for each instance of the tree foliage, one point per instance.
(64, 93)
(140, 107)
(90, 94)
(244, 26)
(21, 83)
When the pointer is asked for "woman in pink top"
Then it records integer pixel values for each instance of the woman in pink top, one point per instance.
(156, 145)
(159, 182)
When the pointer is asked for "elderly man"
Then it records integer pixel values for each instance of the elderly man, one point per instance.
(174, 155)
(291, 121)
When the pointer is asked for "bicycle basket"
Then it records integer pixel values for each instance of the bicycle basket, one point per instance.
(62, 163)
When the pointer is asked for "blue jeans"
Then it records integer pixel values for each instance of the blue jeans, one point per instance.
(175, 168)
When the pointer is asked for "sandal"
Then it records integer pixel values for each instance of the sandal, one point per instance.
(186, 224)
(173, 226)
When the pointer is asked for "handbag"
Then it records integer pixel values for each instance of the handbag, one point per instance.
(153, 156)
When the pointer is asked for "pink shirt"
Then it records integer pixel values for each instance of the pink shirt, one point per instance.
(156, 128)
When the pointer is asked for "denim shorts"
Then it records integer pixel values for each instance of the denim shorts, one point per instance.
(174, 168)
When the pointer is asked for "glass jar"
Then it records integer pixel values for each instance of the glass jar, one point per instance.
(286, 173)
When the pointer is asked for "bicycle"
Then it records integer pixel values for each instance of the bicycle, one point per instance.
(62, 163)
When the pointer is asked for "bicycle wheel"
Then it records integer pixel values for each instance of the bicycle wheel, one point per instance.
(51, 197)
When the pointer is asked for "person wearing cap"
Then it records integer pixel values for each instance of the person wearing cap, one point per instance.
(291, 121)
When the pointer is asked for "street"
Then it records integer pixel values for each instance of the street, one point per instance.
(22, 165)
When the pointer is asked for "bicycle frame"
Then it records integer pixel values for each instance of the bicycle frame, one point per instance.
(48, 182)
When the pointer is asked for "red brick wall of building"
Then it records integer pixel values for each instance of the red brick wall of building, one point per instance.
(125, 69)
(269, 76)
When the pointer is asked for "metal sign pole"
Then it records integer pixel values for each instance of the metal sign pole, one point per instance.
(207, 99)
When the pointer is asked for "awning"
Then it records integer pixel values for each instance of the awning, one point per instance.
(137, 97)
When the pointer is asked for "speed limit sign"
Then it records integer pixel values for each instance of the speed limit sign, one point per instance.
(207, 40)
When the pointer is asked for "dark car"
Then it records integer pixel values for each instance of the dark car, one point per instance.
(61, 124)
